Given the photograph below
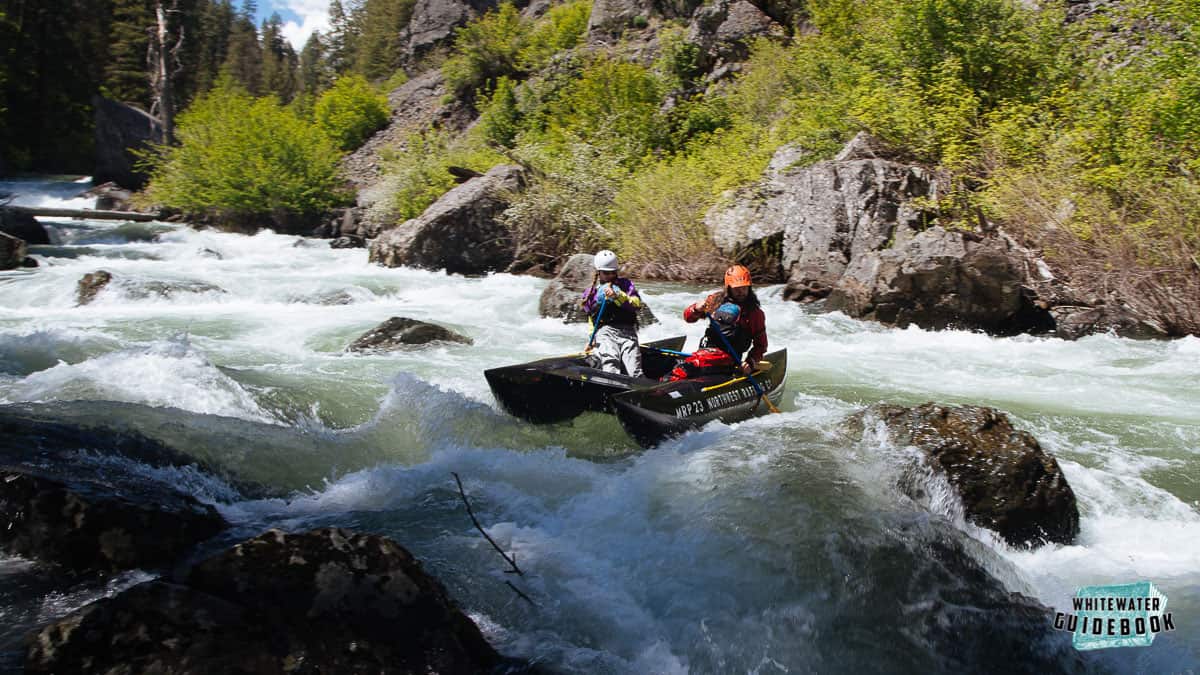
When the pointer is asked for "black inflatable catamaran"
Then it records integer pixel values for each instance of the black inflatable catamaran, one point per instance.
(561, 388)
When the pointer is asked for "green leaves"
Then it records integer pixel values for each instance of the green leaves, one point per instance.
(244, 155)
(351, 111)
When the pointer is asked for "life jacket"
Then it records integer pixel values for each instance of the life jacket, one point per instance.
(702, 362)
(624, 316)
(725, 323)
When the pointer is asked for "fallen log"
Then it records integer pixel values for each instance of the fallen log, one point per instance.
(90, 214)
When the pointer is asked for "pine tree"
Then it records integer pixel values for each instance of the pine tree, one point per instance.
(125, 73)
(244, 60)
(279, 61)
(380, 46)
(341, 43)
(314, 76)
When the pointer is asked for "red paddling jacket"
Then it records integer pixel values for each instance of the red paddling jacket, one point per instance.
(751, 320)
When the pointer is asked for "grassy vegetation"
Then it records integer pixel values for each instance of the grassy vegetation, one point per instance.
(1083, 138)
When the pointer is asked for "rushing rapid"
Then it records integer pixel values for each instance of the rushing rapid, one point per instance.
(774, 545)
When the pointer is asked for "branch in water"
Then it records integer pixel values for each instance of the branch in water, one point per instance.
(511, 561)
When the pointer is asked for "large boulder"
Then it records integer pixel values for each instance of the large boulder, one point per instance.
(724, 29)
(1006, 482)
(107, 523)
(23, 226)
(461, 232)
(563, 295)
(609, 18)
(855, 230)
(121, 128)
(400, 331)
(322, 601)
(12, 252)
(110, 197)
(941, 279)
(820, 217)
(63, 500)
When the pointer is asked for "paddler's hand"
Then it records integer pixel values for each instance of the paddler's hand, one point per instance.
(747, 368)
(698, 309)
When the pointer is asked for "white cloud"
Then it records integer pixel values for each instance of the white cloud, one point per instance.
(314, 16)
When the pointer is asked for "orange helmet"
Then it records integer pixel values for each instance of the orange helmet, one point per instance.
(737, 276)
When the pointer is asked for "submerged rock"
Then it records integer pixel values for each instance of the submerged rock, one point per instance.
(91, 284)
(399, 331)
(1007, 483)
(562, 297)
(323, 601)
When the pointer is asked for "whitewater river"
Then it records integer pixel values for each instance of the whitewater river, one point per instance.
(771, 546)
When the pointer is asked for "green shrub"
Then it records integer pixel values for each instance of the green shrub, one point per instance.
(679, 60)
(658, 217)
(501, 118)
(484, 50)
(244, 155)
(351, 111)
(566, 207)
(562, 28)
(613, 105)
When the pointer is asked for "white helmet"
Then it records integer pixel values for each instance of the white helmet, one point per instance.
(605, 261)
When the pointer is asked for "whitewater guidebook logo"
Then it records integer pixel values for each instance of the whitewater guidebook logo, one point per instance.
(1122, 615)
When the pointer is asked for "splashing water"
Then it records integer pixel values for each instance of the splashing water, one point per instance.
(769, 546)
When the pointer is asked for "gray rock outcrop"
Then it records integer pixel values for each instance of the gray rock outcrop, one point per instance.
(323, 601)
(724, 30)
(1006, 481)
(939, 279)
(23, 226)
(821, 216)
(460, 232)
(119, 129)
(562, 296)
(12, 252)
(400, 331)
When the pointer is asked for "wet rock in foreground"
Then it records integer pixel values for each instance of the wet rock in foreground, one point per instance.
(323, 601)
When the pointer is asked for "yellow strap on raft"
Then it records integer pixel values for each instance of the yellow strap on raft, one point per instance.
(763, 366)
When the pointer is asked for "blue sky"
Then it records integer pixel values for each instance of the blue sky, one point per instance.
(300, 17)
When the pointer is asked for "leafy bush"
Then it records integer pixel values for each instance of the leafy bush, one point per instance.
(244, 155)
(678, 60)
(659, 221)
(500, 120)
(566, 207)
(562, 28)
(613, 105)
(484, 50)
(416, 174)
(351, 111)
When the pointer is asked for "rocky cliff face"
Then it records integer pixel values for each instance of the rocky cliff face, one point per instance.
(854, 232)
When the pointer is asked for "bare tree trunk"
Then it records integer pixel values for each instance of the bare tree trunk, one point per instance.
(163, 54)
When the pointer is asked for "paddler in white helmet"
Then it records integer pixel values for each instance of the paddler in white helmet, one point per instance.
(612, 303)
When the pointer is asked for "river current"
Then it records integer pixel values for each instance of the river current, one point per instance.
(770, 546)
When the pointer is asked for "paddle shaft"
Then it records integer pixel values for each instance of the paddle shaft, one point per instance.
(664, 350)
(596, 327)
(734, 355)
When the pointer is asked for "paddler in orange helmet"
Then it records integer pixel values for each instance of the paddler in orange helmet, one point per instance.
(750, 325)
